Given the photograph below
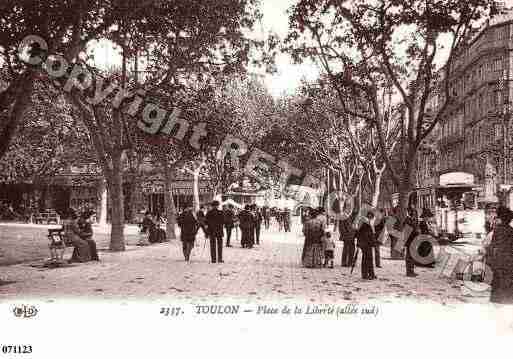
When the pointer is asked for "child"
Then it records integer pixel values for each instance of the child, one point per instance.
(329, 249)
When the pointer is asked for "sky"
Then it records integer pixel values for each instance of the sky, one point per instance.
(275, 19)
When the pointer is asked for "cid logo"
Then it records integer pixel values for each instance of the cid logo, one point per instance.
(25, 311)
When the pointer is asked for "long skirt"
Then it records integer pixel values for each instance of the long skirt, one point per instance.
(313, 255)
(81, 252)
(502, 287)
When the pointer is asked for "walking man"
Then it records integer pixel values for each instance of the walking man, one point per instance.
(347, 235)
(215, 221)
(365, 237)
(378, 229)
(229, 216)
(258, 223)
(411, 221)
(267, 217)
(188, 228)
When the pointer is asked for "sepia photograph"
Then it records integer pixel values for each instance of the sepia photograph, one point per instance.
(305, 171)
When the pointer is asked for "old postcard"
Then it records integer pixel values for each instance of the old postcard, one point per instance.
(256, 177)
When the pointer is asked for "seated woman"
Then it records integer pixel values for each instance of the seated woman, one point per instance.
(72, 234)
(86, 229)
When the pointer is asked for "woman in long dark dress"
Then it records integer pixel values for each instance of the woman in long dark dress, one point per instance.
(86, 233)
(500, 258)
(312, 256)
(72, 233)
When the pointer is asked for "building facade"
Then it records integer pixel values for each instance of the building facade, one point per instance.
(469, 163)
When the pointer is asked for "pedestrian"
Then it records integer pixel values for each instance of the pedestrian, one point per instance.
(329, 249)
(266, 213)
(378, 231)
(189, 226)
(229, 220)
(312, 255)
(410, 221)
(279, 219)
(500, 258)
(286, 220)
(245, 224)
(215, 221)
(365, 241)
(347, 234)
(200, 216)
(258, 223)
(86, 230)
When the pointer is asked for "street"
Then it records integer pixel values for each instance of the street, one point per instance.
(271, 271)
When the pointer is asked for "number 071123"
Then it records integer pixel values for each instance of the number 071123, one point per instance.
(16, 349)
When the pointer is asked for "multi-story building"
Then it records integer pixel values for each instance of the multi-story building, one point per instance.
(470, 164)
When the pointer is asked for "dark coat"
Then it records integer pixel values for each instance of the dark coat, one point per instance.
(229, 217)
(365, 236)
(246, 219)
(500, 260)
(188, 226)
(346, 230)
(215, 222)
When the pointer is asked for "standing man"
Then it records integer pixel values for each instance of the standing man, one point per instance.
(267, 217)
(411, 221)
(365, 237)
(229, 217)
(378, 229)
(286, 219)
(200, 216)
(347, 234)
(215, 221)
(245, 225)
(188, 228)
(258, 222)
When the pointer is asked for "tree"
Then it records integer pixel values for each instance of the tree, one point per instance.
(367, 48)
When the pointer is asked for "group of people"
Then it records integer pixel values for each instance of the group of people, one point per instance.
(363, 234)
(214, 222)
(150, 228)
(79, 232)
(283, 218)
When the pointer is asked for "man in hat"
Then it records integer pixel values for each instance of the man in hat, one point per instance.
(215, 222)
(229, 220)
(500, 258)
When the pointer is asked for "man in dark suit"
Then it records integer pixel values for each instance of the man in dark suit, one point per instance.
(411, 221)
(378, 229)
(347, 235)
(229, 216)
(215, 222)
(258, 223)
(365, 241)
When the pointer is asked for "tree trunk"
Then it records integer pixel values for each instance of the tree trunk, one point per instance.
(135, 198)
(169, 203)
(195, 189)
(117, 239)
(404, 190)
(103, 202)
(377, 189)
